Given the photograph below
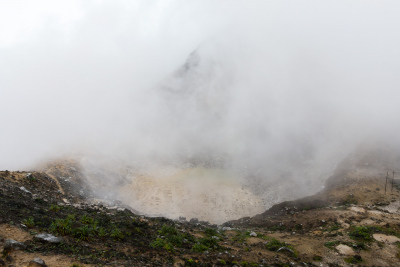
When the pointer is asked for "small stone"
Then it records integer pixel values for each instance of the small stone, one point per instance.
(286, 249)
(37, 262)
(11, 244)
(226, 228)
(253, 234)
(49, 238)
(24, 189)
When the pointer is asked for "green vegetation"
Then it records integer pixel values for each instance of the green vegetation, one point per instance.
(86, 219)
(170, 238)
(55, 208)
(241, 236)
(82, 233)
(30, 223)
(62, 227)
(361, 233)
(317, 258)
(199, 248)
(274, 244)
(356, 246)
(162, 243)
(211, 232)
(354, 259)
(116, 234)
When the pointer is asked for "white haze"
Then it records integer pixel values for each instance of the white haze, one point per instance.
(269, 88)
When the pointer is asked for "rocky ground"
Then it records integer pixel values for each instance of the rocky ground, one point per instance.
(50, 217)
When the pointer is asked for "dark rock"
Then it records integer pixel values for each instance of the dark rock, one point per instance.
(2, 263)
(44, 237)
(194, 220)
(11, 244)
(8, 258)
(37, 262)
(181, 218)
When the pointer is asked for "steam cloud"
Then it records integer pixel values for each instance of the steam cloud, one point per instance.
(263, 87)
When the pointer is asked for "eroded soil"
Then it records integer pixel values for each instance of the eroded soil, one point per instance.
(335, 227)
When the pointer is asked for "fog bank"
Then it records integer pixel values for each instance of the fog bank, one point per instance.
(271, 89)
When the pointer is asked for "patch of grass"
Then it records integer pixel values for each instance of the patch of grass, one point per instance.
(356, 246)
(86, 219)
(274, 244)
(61, 226)
(71, 217)
(361, 233)
(55, 208)
(102, 232)
(333, 227)
(162, 243)
(167, 230)
(30, 223)
(82, 233)
(298, 227)
(172, 238)
(350, 199)
(354, 259)
(211, 232)
(317, 258)
(199, 248)
(205, 243)
(331, 244)
(241, 236)
(278, 227)
(116, 234)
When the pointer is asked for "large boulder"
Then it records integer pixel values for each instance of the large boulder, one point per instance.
(11, 244)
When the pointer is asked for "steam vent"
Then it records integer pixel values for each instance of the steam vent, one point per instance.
(199, 133)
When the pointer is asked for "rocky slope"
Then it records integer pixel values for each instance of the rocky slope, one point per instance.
(351, 222)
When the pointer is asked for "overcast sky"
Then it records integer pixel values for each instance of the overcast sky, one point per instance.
(274, 80)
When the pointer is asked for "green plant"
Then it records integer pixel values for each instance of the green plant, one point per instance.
(317, 258)
(71, 217)
(61, 226)
(222, 262)
(31, 178)
(361, 233)
(211, 232)
(354, 259)
(116, 234)
(30, 223)
(274, 245)
(199, 248)
(55, 208)
(161, 243)
(209, 242)
(331, 244)
(101, 232)
(86, 219)
(82, 233)
(167, 230)
(75, 265)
